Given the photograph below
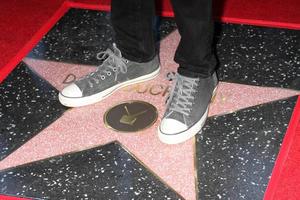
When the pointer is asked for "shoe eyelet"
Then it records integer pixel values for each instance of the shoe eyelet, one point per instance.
(114, 69)
(108, 73)
(102, 77)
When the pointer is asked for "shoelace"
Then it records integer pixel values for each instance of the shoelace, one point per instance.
(182, 95)
(113, 63)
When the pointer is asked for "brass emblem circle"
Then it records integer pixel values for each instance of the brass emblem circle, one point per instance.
(130, 116)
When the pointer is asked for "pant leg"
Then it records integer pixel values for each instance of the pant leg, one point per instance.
(132, 21)
(194, 53)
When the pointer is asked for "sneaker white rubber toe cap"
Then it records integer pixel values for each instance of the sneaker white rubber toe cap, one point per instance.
(172, 131)
(171, 126)
(71, 91)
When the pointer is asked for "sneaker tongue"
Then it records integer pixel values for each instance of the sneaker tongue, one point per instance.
(117, 51)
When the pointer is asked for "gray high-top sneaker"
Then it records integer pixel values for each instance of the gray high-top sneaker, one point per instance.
(115, 72)
(187, 108)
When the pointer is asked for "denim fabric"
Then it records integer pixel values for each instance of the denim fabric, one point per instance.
(133, 25)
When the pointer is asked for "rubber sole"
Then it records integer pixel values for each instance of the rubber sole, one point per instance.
(189, 133)
(83, 101)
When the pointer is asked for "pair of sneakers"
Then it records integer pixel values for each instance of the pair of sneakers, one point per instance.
(187, 106)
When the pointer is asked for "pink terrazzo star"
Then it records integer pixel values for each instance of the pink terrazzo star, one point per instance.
(83, 128)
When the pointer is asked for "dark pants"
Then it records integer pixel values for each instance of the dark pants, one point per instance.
(133, 24)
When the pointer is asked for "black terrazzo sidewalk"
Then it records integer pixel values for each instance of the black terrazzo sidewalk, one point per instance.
(258, 55)
(236, 152)
(105, 172)
(28, 104)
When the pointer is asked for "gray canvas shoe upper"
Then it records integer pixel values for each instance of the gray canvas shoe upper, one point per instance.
(188, 103)
(114, 70)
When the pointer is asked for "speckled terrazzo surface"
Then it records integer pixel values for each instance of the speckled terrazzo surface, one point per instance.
(246, 55)
(236, 152)
(107, 172)
(28, 104)
(81, 34)
(258, 55)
